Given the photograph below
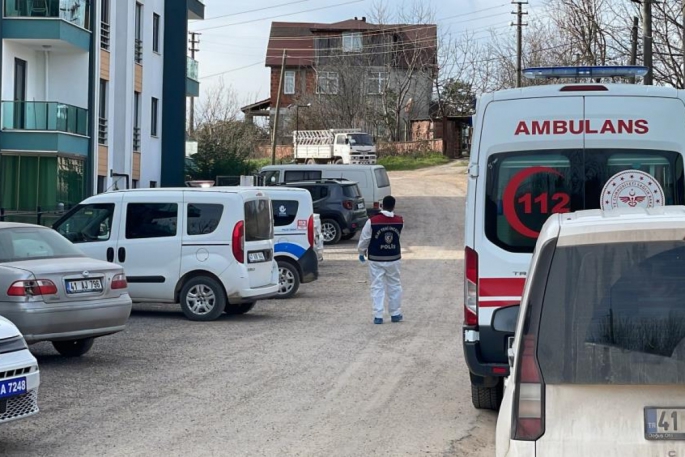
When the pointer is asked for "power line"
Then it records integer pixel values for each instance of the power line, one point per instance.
(254, 11)
(279, 16)
(261, 62)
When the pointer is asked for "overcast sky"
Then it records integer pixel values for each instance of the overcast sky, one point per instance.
(235, 32)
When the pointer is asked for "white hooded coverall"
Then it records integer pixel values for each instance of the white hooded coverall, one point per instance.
(384, 275)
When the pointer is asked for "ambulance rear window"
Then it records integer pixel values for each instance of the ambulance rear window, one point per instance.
(524, 188)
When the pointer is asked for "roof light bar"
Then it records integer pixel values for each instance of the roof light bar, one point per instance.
(584, 72)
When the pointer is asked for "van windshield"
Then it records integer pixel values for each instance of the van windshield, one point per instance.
(524, 187)
(614, 313)
(258, 221)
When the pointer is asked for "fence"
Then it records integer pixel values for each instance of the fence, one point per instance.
(409, 147)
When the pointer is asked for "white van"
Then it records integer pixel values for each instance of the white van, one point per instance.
(373, 180)
(211, 250)
(294, 238)
(555, 149)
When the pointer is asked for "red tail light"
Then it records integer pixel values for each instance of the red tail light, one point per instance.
(119, 282)
(348, 204)
(471, 288)
(530, 405)
(310, 230)
(32, 288)
(239, 242)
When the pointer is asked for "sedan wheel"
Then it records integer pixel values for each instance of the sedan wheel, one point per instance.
(73, 348)
(330, 230)
(202, 299)
(288, 280)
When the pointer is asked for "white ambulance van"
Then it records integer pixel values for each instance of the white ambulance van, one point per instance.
(555, 149)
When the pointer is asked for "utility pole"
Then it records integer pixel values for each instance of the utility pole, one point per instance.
(519, 37)
(647, 39)
(683, 44)
(274, 133)
(194, 47)
(633, 45)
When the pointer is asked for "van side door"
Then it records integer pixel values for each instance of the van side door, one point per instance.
(149, 245)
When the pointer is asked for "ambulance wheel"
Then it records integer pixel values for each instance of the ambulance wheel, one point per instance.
(487, 397)
(331, 232)
(349, 236)
(288, 280)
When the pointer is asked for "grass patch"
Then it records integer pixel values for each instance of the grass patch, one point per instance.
(412, 162)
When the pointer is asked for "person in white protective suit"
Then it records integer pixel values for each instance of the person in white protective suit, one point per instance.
(380, 243)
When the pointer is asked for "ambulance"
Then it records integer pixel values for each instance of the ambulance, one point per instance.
(551, 149)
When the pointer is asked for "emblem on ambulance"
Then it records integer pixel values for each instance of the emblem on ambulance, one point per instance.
(388, 238)
(632, 189)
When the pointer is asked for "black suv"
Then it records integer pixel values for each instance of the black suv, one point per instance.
(340, 205)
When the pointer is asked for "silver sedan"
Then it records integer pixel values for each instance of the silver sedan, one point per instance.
(52, 292)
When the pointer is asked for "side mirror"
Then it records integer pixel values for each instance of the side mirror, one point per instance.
(347, 141)
(504, 319)
(273, 179)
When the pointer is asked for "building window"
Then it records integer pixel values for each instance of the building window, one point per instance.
(102, 122)
(352, 42)
(139, 33)
(153, 184)
(136, 121)
(155, 32)
(327, 82)
(154, 116)
(134, 184)
(104, 24)
(377, 82)
(289, 88)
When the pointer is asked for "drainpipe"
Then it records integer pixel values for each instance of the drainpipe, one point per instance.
(46, 53)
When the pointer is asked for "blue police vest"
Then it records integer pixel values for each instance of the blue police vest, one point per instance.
(385, 238)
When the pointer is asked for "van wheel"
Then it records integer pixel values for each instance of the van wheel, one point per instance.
(288, 280)
(338, 161)
(202, 299)
(330, 230)
(240, 309)
(487, 397)
(73, 348)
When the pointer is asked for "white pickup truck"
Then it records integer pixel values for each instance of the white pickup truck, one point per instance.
(337, 146)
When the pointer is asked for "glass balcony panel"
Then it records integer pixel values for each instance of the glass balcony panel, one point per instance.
(76, 12)
(192, 69)
(44, 116)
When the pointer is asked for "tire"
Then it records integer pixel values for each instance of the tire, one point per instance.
(202, 299)
(240, 309)
(73, 348)
(288, 280)
(330, 230)
(338, 161)
(311, 162)
(487, 397)
(349, 236)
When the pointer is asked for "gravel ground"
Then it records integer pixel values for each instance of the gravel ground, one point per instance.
(311, 376)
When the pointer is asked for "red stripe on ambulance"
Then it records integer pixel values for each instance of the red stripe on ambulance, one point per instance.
(501, 287)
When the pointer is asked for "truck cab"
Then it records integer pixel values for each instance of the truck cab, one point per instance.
(335, 146)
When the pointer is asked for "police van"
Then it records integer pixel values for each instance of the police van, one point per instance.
(555, 149)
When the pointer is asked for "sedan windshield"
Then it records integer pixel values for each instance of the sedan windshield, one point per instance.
(30, 243)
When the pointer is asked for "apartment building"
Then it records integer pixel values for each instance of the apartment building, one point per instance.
(93, 97)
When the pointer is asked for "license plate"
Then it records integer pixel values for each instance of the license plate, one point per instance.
(255, 257)
(84, 285)
(12, 387)
(360, 205)
(665, 423)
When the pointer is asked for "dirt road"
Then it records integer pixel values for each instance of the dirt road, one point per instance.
(311, 376)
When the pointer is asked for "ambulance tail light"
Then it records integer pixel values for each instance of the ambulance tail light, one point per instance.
(471, 288)
(529, 404)
(584, 88)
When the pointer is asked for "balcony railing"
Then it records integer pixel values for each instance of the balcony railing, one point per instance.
(102, 131)
(104, 36)
(192, 69)
(139, 51)
(44, 116)
(136, 138)
(76, 12)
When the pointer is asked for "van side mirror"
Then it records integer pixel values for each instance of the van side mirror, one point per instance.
(504, 319)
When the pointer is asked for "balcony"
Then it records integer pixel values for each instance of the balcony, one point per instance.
(196, 9)
(62, 20)
(192, 78)
(44, 126)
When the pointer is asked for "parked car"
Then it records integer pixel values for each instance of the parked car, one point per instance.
(211, 250)
(53, 292)
(373, 180)
(598, 357)
(294, 238)
(19, 375)
(340, 205)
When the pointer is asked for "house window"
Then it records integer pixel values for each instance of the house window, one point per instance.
(155, 116)
(352, 42)
(289, 88)
(377, 82)
(102, 121)
(327, 82)
(136, 121)
(139, 33)
(155, 32)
